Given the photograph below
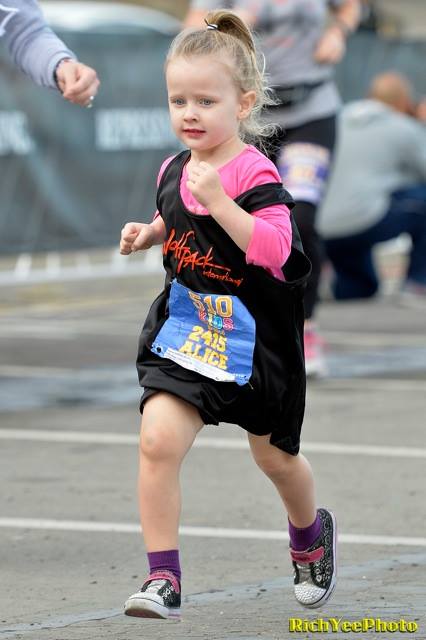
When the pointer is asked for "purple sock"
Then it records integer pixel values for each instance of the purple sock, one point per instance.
(302, 539)
(165, 561)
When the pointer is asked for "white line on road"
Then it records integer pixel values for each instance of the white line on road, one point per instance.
(25, 273)
(82, 437)
(371, 385)
(371, 339)
(22, 371)
(366, 384)
(66, 328)
(49, 333)
(199, 532)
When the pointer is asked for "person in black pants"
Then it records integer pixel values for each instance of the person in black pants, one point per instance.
(320, 133)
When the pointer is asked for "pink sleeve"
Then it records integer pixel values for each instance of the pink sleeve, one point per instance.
(160, 175)
(163, 167)
(270, 243)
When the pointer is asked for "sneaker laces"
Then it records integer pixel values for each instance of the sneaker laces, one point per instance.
(304, 570)
(303, 561)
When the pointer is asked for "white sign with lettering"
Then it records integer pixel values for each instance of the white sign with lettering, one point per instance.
(14, 133)
(133, 129)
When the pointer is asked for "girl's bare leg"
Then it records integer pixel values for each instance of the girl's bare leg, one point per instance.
(291, 475)
(168, 429)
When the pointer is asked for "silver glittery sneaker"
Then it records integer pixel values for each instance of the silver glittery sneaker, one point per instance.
(315, 569)
(158, 598)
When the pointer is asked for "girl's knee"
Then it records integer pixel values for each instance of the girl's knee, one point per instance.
(168, 429)
(274, 463)
(156, 443)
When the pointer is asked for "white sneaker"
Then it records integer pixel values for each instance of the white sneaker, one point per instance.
(315, 569)
(159, 597)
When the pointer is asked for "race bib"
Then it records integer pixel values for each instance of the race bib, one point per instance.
(211, 334)
(304, 169)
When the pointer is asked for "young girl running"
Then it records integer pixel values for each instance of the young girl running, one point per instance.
(224, 339)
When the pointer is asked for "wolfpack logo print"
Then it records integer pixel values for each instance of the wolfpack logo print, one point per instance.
(6, 13)
(211, 334)
(189, 258)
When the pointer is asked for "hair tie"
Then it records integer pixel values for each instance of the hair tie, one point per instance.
(211, 26)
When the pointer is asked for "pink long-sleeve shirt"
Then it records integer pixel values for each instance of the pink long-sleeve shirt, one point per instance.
(270, 243)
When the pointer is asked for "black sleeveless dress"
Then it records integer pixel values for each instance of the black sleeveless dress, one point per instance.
(200, 257)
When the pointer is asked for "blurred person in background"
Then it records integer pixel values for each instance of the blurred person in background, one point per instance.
(301, 45)
(42, 55)
(377, 190)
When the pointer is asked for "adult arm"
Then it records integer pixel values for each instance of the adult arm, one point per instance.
(36, 49)
(33, 46)
(346, 17)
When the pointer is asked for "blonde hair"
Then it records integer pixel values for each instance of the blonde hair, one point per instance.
(226, 33)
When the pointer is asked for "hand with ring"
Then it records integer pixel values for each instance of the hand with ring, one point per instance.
(77, 82)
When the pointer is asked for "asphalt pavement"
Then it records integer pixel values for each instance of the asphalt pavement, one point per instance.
(70, 548)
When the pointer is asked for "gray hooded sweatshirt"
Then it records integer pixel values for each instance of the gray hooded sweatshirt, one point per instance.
(378, 152)
(31, 43)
